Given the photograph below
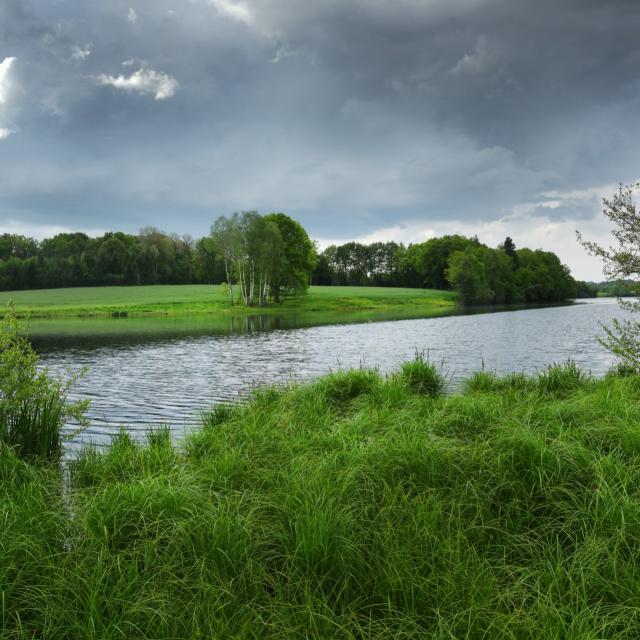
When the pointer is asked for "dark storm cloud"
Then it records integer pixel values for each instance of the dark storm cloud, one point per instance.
(352, 115)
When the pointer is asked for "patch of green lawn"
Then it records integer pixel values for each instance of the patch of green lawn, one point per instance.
(170, 300)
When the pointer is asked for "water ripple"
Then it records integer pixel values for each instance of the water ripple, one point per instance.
(172, 380)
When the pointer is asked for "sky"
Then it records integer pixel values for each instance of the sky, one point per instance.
(363, 119)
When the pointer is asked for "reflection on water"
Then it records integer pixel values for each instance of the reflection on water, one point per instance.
(150, 376)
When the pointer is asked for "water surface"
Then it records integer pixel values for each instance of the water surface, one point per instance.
(142, 377)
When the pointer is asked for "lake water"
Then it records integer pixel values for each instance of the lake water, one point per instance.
(141, 377)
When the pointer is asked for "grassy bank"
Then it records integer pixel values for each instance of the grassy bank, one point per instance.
(177, 300)
(354, 507)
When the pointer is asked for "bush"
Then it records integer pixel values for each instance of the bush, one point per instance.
(33, 406)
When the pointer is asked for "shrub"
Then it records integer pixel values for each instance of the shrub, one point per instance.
(33, 406)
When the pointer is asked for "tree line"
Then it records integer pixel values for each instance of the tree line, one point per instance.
(259, 258)
(480, 274)
(263, 258)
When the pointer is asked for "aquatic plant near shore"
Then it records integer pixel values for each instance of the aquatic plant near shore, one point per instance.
(33, 405)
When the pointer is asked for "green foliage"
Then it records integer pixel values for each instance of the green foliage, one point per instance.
(466, 274)
(218, 415)
(33, 406)
(621, 288)
(299, 259)
(430, 259)
(622, 263)
(586, 289)
(380, 264)
(271, 257)
(481, 275)
(74, 259)
(375, 512)
(265, 256)
(541, 277)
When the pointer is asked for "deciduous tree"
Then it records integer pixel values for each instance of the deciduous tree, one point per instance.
(621, 261)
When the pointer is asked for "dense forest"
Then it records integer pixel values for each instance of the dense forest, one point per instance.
(480, 274)
(76, 260)
(249, 250)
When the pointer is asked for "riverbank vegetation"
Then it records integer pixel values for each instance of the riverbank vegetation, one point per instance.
(358, 506)
(184, 300)
(33, 406)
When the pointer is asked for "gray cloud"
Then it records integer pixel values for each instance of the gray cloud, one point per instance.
(352, 115)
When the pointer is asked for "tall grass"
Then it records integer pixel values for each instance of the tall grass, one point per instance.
(353, 507)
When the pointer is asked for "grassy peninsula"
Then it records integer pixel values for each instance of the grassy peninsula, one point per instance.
(182, 300)
(353, 507)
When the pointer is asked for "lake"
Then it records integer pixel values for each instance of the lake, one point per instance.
(141, 373)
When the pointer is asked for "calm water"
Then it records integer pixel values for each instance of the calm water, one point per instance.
(149, 377)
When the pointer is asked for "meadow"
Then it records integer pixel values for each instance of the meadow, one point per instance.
(176, 300)
(356, 506)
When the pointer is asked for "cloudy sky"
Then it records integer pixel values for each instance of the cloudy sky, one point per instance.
(363, 119)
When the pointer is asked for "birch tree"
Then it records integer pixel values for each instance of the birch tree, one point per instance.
(253, 254)
(225, 233)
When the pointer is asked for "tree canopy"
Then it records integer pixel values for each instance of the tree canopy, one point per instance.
(265, 257)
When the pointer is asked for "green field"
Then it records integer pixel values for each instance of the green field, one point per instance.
(355, 507)
(176, 300)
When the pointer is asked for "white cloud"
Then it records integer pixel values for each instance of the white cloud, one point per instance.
(5, 67)
(79, 53)
(144, 81)
(132, 16)
(237, 11)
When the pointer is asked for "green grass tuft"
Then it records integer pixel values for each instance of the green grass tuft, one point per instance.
(422, 376)
(562, 379)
